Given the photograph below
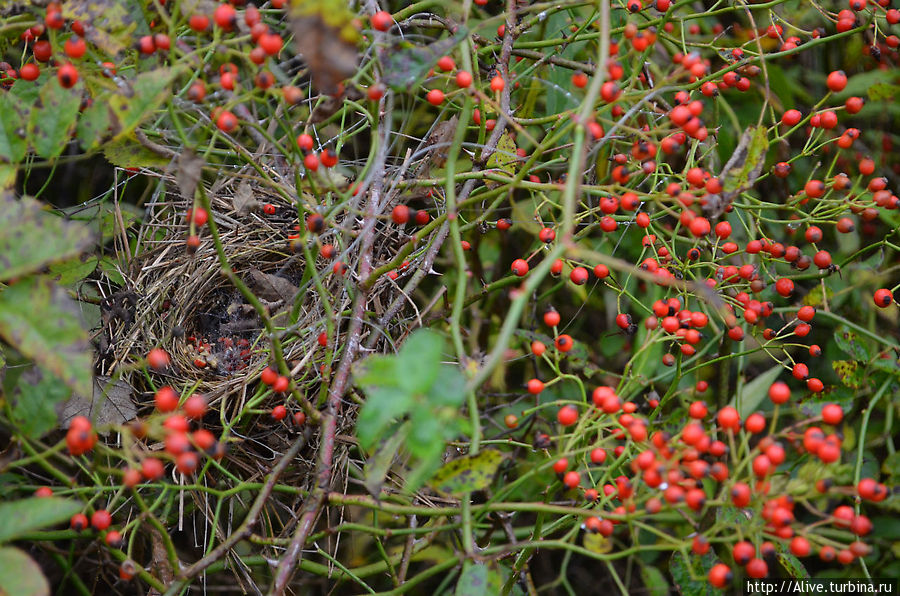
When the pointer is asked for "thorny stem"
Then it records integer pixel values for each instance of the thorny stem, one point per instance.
(313, 505)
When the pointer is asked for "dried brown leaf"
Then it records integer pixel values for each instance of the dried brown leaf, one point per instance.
(271, 287)
(328, 50)
(111, 403)
(243, 201)
(190, 167)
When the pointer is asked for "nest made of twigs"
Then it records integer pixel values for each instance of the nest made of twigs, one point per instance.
(183, 303)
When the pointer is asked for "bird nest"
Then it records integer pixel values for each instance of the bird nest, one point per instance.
(179, 298)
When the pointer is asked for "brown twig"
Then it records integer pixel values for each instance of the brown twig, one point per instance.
(503, 117)
(313, 506)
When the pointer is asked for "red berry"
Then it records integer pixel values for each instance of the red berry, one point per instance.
(101, 519)
(67, 75)
(720, 575)
(784, 286)
(883, 298)
(271, 43)
(75, 47)
(382, 20)
(187, 462)
(195, 406)
(572, 479)
(113, 539)
(30, 71)
(729, 418)
(520, 267)
(281, 384)
(152, 468)
(564, 343)
(757, 568)
(268, 376)
(535, 386)
(166, 399)
(800, 547)
(225, 16)
(836, 80)
(446, 63)
(158, 359)
(832, 414)
(435, 97)
(78, 522)
(579, 276)
(779, 392)
(227, 122)
(567, 415)
(198, 22)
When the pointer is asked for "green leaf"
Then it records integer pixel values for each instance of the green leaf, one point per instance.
(108, 266)
(377, 466)
(20, 575)
(891, 465)
(597, 543)
(31, 238)
(416, 384)
(41, 321)
(654, 581)
(51, 122)
(841, 396)
(138, 101)
(817, 296)
(478, 579)
(126, 152)
(427, 433)
(756, 391)
(744, 173)
(449, 387)
(851, 345)
(419, 360)
(382, 407)
(28, 91)
(888, 365)
(849, 372)
(792, 565)
(34, 409)
(74, 270)
(880, 91)
(93, 124)
(731, 516)
(468, 473)
(690, 574)
(36, 513)
(12, 132)
(406, 64)
(786, 86)
(503, 159)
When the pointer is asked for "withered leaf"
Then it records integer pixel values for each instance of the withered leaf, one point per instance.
(271, 287)
(110, 403)
(324, 34)
(243, 201)
(741, 170)
(113, 23)
(190, 166)
(406, 63)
